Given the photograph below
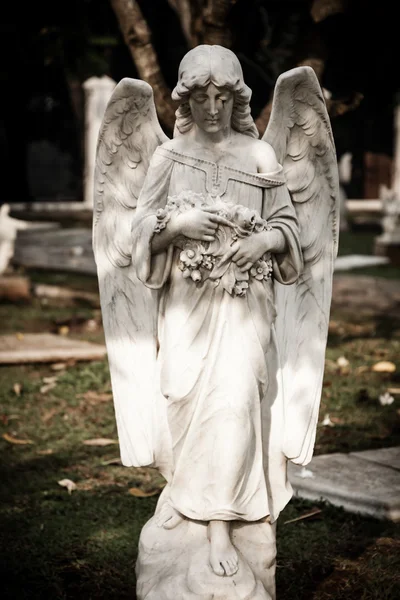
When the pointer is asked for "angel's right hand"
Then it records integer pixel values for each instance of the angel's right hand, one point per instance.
(200, 224)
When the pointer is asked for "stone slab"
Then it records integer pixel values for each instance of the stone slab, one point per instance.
(46, 348)
(387, 457)
(356, 484)
(359, 261)
(64, 250)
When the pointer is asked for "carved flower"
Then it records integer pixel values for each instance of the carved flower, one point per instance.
(191, 257)
(262, 270)
(240, 288)
(208, 261)
(261, 225)
(163, 216)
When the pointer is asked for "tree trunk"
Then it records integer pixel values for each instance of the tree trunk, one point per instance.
(216, 29)
(190, 14)
(137, 36)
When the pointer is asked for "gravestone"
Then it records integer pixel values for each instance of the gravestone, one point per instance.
(388, 243)
(98, 91)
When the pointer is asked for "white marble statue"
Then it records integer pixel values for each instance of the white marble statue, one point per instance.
(215, 296)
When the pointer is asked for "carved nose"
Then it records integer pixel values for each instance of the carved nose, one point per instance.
(212, 108)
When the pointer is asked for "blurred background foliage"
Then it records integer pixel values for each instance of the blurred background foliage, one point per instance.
(49, 49)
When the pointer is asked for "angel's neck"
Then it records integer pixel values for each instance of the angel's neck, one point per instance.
(206, 138)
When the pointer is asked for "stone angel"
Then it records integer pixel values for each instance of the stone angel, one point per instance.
(215, 253)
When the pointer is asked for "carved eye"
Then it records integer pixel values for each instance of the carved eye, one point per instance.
(200, 99)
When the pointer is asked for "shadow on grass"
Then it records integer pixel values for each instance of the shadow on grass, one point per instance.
(311, 554)
(58, 545)
(84, 545)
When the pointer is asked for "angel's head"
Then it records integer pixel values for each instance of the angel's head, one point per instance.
(212, 92)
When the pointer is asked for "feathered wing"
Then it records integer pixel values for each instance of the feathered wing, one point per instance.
(129, 135)
(300, 133)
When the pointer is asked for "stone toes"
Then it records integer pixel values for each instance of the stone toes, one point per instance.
(172, 522)
(218, 569)
(234, 563)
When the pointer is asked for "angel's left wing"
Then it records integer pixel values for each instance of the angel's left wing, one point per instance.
(300, 133)
(128, 137)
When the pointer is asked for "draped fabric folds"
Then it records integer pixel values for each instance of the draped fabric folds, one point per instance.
(217, 360)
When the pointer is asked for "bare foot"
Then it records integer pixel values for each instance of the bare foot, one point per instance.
(223, 557)
(168, 517)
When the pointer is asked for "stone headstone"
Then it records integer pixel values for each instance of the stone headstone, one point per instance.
(98, 91)
(388, 243)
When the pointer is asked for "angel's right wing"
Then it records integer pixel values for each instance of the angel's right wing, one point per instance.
(128, 137)
(300, 133)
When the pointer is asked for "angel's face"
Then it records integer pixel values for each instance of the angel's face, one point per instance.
(211, 108)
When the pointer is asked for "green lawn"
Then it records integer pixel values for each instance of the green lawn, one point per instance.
(58, 545)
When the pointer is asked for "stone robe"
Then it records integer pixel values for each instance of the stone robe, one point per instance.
(217, 361)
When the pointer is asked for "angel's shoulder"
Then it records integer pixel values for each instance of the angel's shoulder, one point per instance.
(175, 144)
(264, 155)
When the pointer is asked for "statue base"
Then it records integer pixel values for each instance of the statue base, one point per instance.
(175, 563)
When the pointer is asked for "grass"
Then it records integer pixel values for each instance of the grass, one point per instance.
(83, 545)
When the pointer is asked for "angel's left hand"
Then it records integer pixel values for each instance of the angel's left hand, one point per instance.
(246, 251)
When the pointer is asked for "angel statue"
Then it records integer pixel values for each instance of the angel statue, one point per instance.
(215, 253)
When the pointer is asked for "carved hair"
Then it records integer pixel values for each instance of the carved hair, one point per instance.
(213, 64)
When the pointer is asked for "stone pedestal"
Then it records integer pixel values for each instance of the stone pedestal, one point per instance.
(178, 559)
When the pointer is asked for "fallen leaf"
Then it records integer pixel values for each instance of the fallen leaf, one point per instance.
(47, 387)
(95, 396)
(52, 379)
(327, 422)
(19, 336)
(58, 366)
(67, 483)
(313, 513)
(305, 474)
(138, 493)
(386, 399)
(100, 442)
(361, 370)
(14, 440)
(17, 387)
(336, 420)
(63, 330)
(342, 362)
(384, 366)
(49, 414)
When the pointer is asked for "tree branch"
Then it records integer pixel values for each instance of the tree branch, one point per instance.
(137, 36)
(189, 13)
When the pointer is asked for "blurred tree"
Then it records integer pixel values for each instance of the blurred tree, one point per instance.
(269, 38)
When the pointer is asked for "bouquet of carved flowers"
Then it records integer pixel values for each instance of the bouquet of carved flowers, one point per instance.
(200, 261)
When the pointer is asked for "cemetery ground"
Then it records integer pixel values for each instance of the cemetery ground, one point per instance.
(70, 514)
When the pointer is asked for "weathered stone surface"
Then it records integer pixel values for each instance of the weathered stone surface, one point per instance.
(353, 482)
(178, 559)
(46, 347)
(387, 457)
(366, 295)
(65, 250)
